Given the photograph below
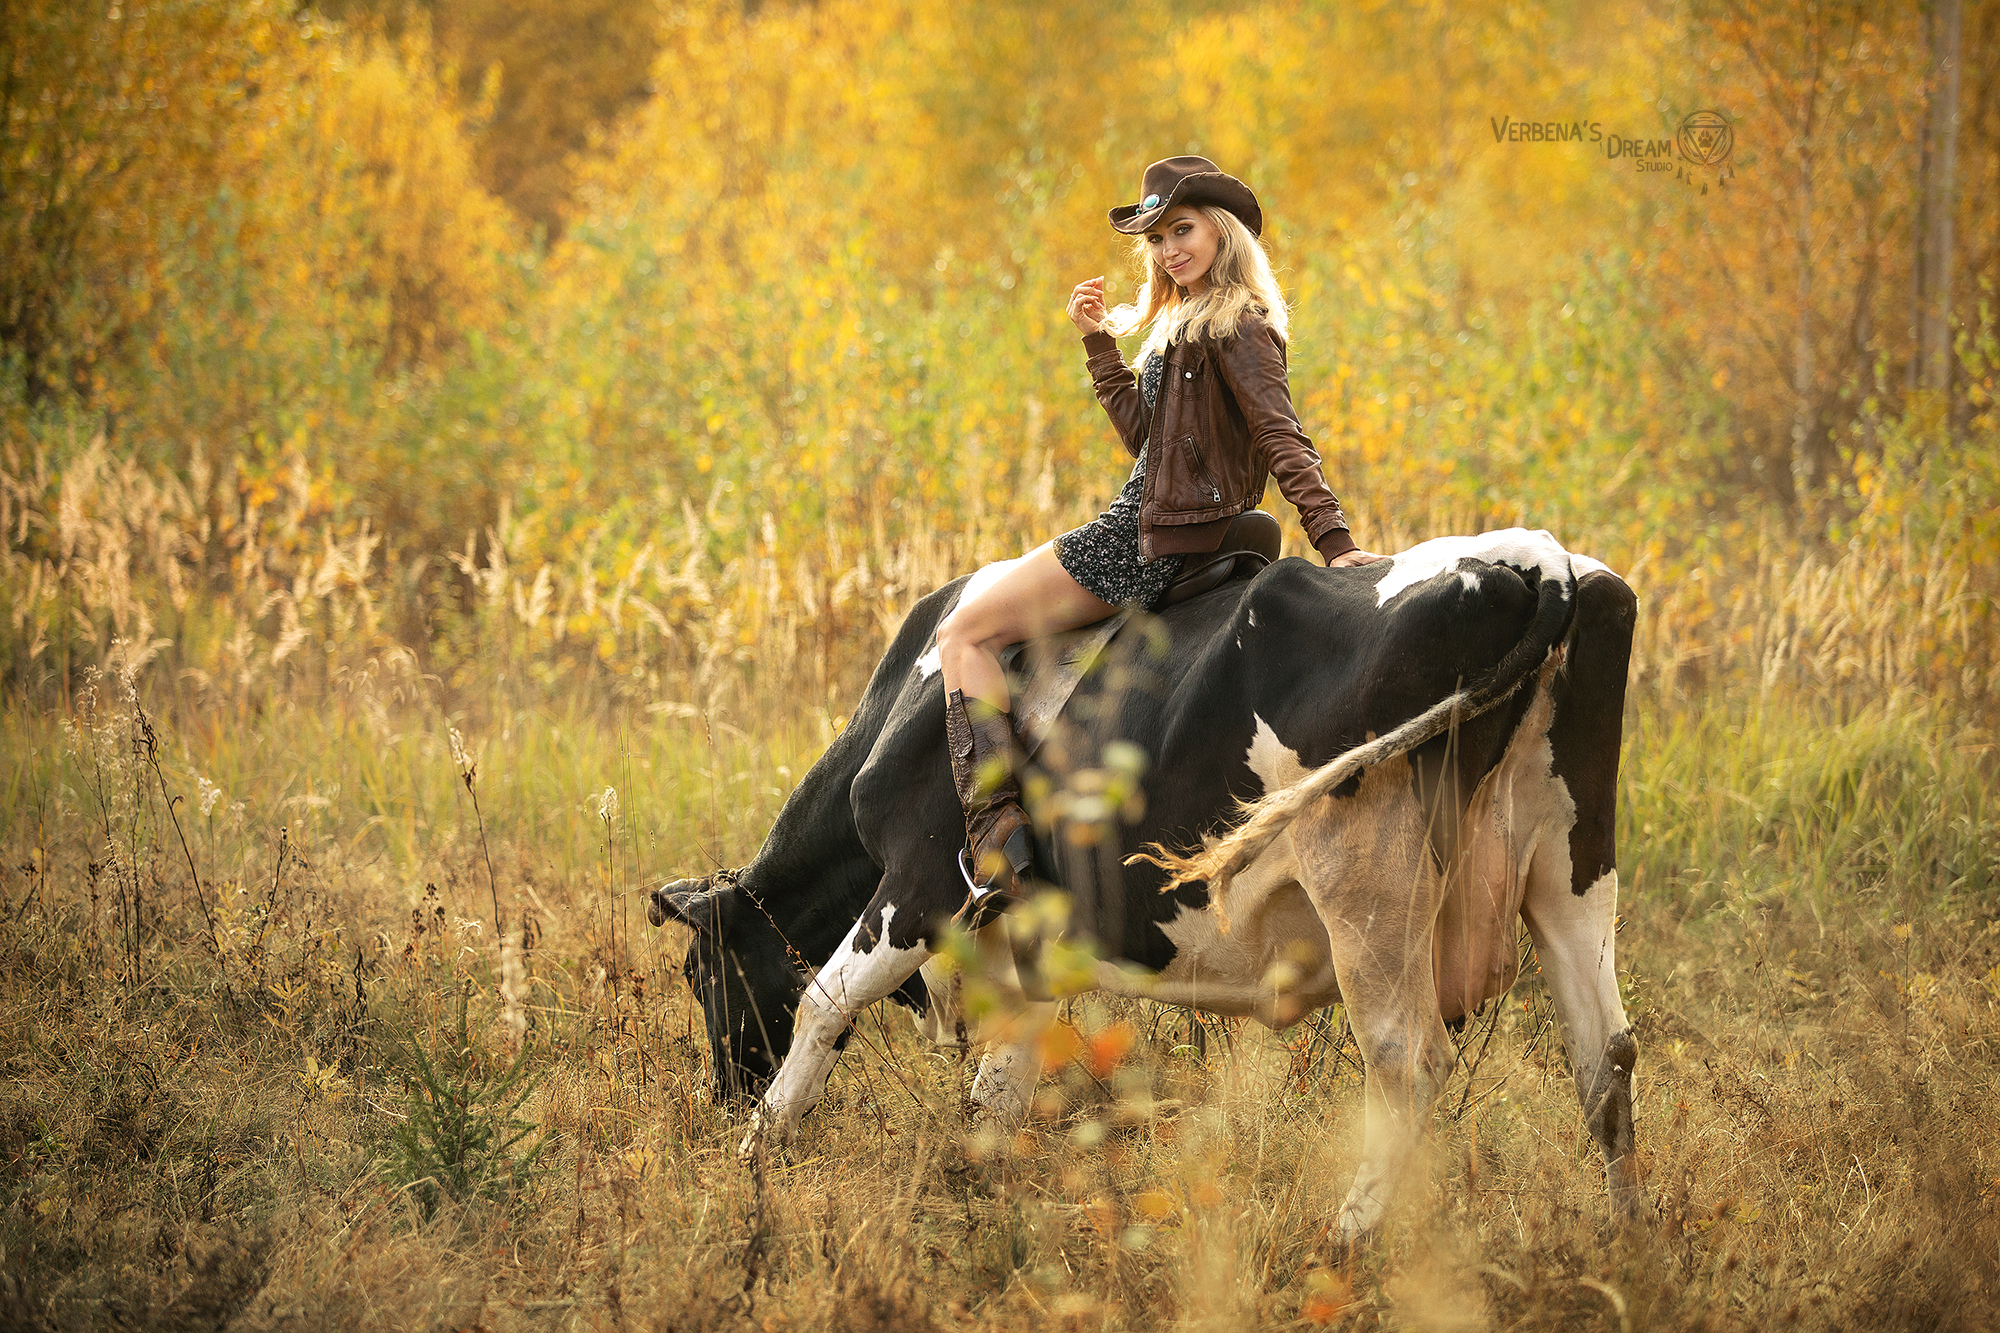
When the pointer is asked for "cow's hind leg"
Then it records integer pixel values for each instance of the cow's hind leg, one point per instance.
(867, 967)
(1392, 1008)
(1573, 940)
(1369, 872)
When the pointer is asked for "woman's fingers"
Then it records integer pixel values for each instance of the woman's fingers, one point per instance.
(1086, 304)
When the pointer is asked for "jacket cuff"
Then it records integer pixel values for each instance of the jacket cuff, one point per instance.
(1334, 543)
(1098, 343)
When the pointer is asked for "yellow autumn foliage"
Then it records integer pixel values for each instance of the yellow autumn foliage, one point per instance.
(802, 326)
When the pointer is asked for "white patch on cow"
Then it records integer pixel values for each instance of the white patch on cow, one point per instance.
(1275, 763)
(930, 663)
(1253, 617)
(1509, 546)
(1584, 564)
(1575, 937)
(852, 980)
(1575, 944)
(1470, 578)
(943, 1019)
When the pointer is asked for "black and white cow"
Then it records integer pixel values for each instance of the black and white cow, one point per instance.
(1427, 747)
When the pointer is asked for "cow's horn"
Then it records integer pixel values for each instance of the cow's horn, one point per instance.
(682, 900)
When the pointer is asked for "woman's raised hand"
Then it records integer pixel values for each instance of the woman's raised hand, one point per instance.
(1086, 305)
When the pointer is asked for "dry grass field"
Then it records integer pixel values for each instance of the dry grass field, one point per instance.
(460, 460)
(267, 1065)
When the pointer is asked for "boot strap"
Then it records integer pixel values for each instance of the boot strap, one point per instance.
(958, 737)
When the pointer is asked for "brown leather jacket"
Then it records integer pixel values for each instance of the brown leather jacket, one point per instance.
(1223, 424)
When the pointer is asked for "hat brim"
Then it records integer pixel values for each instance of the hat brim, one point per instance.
(1208, 187)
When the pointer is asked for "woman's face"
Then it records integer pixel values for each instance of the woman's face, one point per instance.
(1183, 244)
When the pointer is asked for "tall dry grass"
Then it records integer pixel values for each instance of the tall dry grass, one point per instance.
(243, 600)
(264, 849)
(195, 1132)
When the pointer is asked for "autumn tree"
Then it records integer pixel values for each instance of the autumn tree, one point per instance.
(1819, 282)
(111, 119)
(542, 82)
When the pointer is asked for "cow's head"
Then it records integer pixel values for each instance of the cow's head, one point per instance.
(742, 972)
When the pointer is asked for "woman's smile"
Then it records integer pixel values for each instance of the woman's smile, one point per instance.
(1184, 245)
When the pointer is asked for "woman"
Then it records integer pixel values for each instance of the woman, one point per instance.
(1209, 416)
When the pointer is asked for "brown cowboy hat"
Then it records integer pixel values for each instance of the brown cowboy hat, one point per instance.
(1187, 180)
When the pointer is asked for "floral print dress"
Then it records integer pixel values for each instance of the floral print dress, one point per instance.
(1103, 554)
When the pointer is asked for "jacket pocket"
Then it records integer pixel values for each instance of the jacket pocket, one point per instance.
(1199, 469)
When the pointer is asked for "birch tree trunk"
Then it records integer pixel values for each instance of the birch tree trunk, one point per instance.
(1940, 162)
(1808, 472)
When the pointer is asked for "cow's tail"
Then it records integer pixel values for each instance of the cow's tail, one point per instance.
(1269, 816)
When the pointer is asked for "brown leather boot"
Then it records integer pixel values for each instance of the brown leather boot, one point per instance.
(999, 840)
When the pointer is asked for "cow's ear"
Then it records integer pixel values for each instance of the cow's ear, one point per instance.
(688, 901)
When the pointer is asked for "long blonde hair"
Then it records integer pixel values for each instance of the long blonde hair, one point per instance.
(1239, 281)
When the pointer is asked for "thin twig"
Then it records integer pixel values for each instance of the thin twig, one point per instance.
(149, 750)
(471, 776)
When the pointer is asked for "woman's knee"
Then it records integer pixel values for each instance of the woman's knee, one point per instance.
(966, 629)
(976, 620)
(952, 631)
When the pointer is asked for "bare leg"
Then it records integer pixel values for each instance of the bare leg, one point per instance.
(1034, 596)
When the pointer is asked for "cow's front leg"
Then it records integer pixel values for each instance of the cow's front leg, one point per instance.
(1010, 1069)
(1012, 1063)
(1574, 936)
(867, 967)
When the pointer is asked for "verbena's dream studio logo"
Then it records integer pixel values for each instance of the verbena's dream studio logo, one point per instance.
(1705, 139)
(1701, 145)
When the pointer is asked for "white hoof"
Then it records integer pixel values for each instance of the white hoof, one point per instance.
(1001, 1122)
(753, 1142)
(1360, 1214)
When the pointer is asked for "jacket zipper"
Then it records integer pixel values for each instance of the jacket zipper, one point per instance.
(1201, 468)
